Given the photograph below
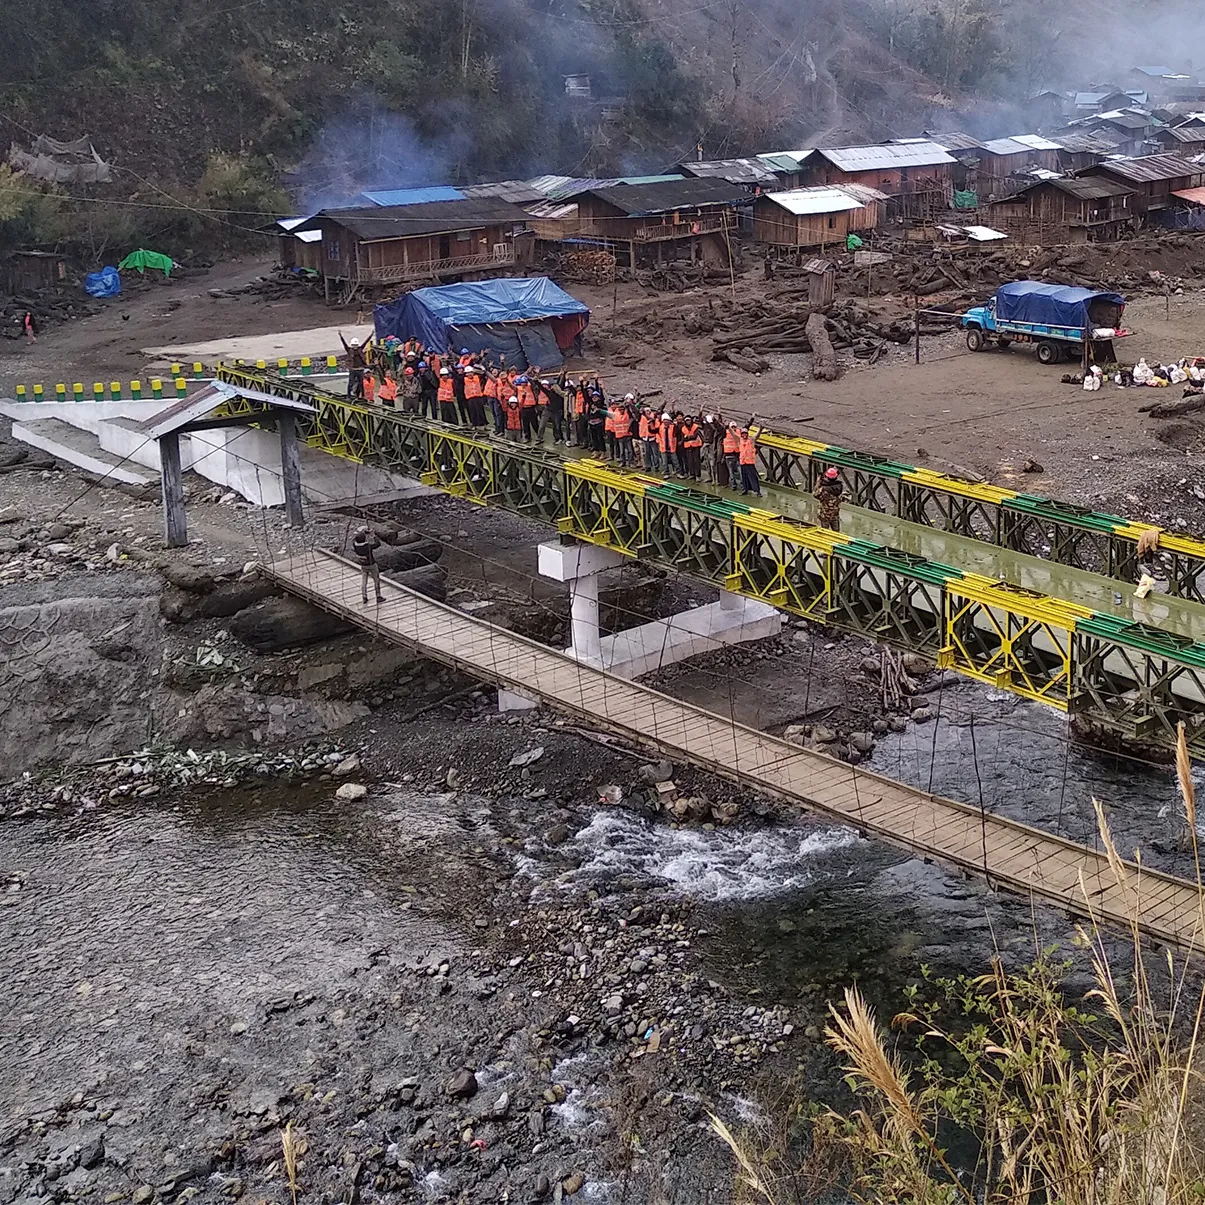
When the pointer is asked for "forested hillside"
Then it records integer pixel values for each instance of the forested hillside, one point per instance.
(217, 105)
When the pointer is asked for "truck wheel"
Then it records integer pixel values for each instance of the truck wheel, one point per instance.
(975, 339)
(1004, 344)
(1049, 353)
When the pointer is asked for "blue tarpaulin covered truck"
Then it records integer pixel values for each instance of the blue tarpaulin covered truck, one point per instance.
(1055, 317)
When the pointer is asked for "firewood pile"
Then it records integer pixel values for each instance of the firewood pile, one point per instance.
(585, 267)
(677, 278)
(47, 307)
(780, 325)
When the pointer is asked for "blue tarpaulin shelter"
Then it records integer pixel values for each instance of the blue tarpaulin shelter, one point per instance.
(1041, 304)
(529, 321)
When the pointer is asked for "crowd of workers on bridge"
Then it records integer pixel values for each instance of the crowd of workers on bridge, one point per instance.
(463, 389)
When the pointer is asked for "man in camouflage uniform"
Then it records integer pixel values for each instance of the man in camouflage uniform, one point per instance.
(828, 493)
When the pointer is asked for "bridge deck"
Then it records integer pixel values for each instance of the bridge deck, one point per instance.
(1010, 855)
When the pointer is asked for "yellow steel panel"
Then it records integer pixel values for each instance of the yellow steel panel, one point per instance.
(953, 485)
(787, 443)
(819, 538)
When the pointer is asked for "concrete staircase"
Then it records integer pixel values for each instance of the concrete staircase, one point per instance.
(82, 449)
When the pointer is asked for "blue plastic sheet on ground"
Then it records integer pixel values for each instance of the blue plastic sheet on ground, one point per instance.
(105, 283)
(433, 315)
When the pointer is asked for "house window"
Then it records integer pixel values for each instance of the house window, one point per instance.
(832, 222)
(332, 250)
(462, 236)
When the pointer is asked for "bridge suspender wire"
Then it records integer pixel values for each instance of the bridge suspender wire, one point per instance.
(1017, 857)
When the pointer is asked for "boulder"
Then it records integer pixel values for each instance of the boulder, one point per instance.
(349, 792)
(428, 580)
(408, 556)
(462, 1085)
(187, 577)
(285, 623)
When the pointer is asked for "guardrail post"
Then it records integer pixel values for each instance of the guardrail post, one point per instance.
(21, 394)
(37, 393)
(98, 391)
(60, 392)
(197, 369)
(181, 387)
(306, 366)
(332, 364)
(282, 366)
(156, 388)
(115, 391)
(77, 391)
(136, 390)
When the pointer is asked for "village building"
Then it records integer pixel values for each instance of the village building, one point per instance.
(428, 242)
(1080, 147)
(917, 175)
(299, 251)
(1047, 108)
(1005, 161)
(31, 270)
(1154, 178)
(1067, 209)
(821, 216)
(1185, 141)
(751, 172)
(680, 218)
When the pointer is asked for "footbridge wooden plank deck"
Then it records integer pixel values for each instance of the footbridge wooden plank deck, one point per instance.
(1010, 855)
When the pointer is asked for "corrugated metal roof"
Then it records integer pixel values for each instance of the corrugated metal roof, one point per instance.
(1006, 146)
(289, 223)
(412, 196)
(1085, 100)
(1036, 142)
(1149, 168)
(957, 141)
(667, 195)
(1044, 173)
(863, 193)
(552, 210)
(1127, 121)
(874, 158)
(436, 217)
(557, 188)
(800, 201)
(739, 171)
(1087, 142)
(1181, 135)
(517, 192)
(197, 405)
(1156, 72)
(784, 161)
(1195, 195)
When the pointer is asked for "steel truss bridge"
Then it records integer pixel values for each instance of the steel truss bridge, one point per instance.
(1133, 667)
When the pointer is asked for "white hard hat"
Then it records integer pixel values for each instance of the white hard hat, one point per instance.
(445, 372)
(514, 399)
(629, 397)
(710, 418)
(353, 343)
(665, 416)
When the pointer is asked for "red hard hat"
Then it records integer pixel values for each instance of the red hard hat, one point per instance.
(409, 372)
(831, 474)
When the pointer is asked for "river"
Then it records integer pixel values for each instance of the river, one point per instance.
(181, 980)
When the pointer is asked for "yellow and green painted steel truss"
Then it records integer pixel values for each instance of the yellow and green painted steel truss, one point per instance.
(1133, 679)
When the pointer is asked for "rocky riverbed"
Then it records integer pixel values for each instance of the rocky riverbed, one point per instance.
(501, 969)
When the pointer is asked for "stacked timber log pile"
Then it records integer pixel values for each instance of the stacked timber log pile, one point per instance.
(584, 267)
(781, 325)
(677, 278)
(48, 307)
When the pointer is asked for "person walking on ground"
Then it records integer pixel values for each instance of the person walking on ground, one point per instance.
(748, 460)
(29, 327)
(356, 363)
(731, 447)
(828, 493)
(363, 546)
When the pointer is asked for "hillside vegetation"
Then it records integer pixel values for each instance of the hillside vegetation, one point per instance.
(207, 110)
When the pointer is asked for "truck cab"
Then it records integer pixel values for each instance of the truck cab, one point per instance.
(980, 318)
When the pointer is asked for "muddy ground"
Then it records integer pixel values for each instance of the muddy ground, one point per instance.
(987, 413)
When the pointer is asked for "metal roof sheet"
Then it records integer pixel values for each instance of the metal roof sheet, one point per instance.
(873, 158)
(1157, 72)
(1006, 146)
(436, 217)
(1088, 142)
(1195, 195)
(1149, 168)
(1036, 142)
(412, 196)
(983, 234)
(783, 161)
(517, 192)
(189, 409)
(957, 141)
(801, 201)
(1178, 134)
(552, 210)
(864, 193)
(666, 195)
(738, 171)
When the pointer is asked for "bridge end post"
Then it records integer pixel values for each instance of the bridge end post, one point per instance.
(175, 521)
(290, 469)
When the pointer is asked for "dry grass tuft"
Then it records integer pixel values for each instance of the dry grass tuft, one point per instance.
(293, 1145)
